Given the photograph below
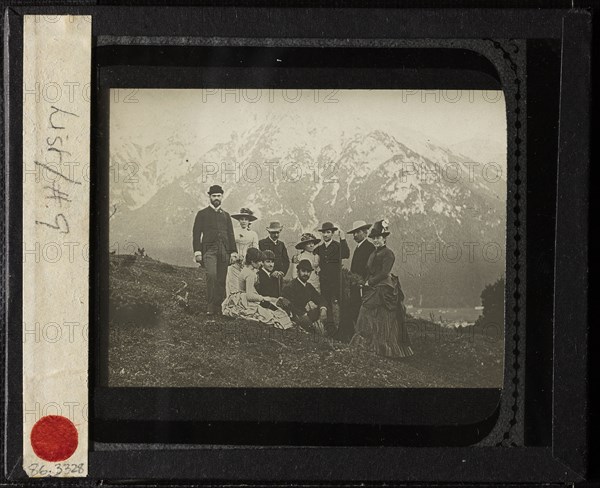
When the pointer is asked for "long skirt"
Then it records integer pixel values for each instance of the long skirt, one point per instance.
(237, 305)
(232, 282)
(380, 326)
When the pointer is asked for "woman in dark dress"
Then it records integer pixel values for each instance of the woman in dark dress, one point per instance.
(380, 326)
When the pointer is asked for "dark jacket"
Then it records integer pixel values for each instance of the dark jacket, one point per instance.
(384, 288)
(330, 265)
(213, 230)
(300, 295)
(266, 285)
(360, 258)
(282, 260)
(380, 266)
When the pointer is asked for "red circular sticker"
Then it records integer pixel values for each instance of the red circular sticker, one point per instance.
(54, 438)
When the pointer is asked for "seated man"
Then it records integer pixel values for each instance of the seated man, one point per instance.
(307, 306)
(268, 285)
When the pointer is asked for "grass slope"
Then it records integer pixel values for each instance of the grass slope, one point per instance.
(156, 340)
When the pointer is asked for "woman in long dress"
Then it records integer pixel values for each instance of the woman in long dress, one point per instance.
(306, 246)
(244, 240)
(380, 326)
(247, 303)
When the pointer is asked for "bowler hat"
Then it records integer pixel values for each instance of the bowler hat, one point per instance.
(275, 226)
(244, 213)
(359, 225)
(304, 265)
(380, 228)
(215, 189)
(328, 226)
(307, 238)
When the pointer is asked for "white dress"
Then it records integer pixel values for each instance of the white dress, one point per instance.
(244, 239)
(244, 302)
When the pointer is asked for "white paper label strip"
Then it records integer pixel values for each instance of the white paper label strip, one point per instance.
(56, 193)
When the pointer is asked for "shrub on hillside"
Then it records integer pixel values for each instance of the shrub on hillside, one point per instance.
(491, 322)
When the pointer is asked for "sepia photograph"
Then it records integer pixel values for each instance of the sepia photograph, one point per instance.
(307, 238)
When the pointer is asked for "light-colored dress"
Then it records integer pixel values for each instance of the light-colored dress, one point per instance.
(244, 239)
(245, 303)
(314, 260)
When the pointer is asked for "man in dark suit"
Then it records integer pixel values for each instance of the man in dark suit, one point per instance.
(360, 257)
(268, 285)
(214, 247)
(330, 254)
(272, 243)
(364, 248)
(307, 306)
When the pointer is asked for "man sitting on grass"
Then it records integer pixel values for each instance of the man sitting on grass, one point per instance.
(307, 306)
(268, 285)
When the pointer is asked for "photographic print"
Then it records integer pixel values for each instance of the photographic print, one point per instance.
(306, 238)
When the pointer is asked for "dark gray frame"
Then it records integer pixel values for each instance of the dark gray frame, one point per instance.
(565, 460)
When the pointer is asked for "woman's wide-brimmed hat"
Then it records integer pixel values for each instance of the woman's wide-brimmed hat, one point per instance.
(328, 226)
(244, 213)
(215, 189)
(380, 228)
(359, 225)
(307, 238)
(275, 226)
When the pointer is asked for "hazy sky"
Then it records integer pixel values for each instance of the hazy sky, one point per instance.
(444, 116)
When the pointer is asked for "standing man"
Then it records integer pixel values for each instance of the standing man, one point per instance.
(360, 257)
(364, 248)
(272, 243)
(330, 254)
(214, 247)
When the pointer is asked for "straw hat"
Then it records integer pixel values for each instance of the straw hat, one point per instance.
(359, 225)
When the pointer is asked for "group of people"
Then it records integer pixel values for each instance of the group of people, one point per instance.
(245, 278)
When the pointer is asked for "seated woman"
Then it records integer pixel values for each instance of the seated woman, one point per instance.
(247, 303)
(380, 326)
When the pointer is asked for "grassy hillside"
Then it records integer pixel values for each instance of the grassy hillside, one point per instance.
(160, 336)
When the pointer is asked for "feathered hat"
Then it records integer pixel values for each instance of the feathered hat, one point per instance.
(380, 228)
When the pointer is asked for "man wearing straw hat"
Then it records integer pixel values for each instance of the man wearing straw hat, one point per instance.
(272, 243)
(214, 246)
(360, 257)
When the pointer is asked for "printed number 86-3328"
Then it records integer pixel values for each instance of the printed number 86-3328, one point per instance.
(35, 469)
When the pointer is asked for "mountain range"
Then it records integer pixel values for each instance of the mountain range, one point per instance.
(446, 206)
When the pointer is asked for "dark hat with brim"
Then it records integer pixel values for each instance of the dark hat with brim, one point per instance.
(244, 213)
(305, 265)
(328, 226)
(380, 228)
(215, 189)
(307, 239)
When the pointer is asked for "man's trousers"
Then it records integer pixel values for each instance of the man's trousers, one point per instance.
(215, 262)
